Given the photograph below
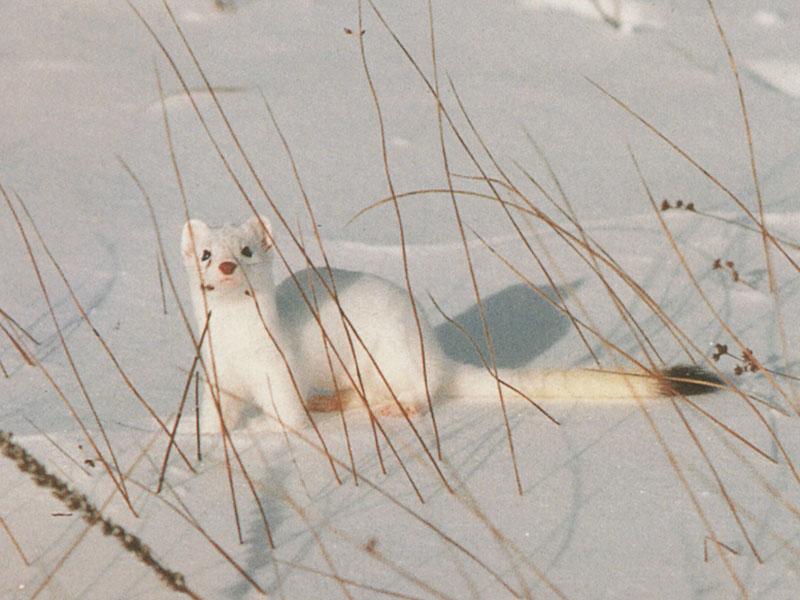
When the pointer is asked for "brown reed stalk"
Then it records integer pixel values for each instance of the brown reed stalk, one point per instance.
(715, 313)
(19, 327)
(725, 546)
(399, 218)
(473, 342)
(57, 446)
(420, 192)
(227, 439)
(705, 172)
(745, 226)
(197, 414)
(85, 316)
(282, 220)
(264, 192)
(723, 490)
(65, 347)
(184, 395)
(77, 502)
(335, 296)
(17, 345)
(773, 286)
(427, 523)
(440, 111)
(159, 258)
(14, 542)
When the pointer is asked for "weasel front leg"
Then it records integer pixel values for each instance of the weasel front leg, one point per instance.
(209, 416)
(277, 392)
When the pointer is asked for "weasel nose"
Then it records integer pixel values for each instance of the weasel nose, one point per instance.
(227, 267)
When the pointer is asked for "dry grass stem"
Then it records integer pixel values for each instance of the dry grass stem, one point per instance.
(415, 516)
(85, 316)
(335, 297)
(271, 202)
(773, 286)
(68, 354)
(58, 447)
(720, 320)
(17, 346)
(18, 327)
(723, 490)
(226, 437)
(14, 542)
(706, 173)
(159, 258)
(399, 217)
(440, 111)
(184, 395)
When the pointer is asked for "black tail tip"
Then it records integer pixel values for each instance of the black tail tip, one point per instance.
(689, 380)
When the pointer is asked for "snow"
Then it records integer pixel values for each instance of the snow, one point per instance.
(767, 18)
(624, 15)
(603, 514)
(783, 76)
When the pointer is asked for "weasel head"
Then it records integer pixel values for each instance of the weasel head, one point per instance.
(227, 261)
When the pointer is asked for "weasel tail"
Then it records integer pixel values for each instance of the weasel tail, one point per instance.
(588, 385)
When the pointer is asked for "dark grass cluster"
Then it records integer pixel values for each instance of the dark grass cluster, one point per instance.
(78, 502)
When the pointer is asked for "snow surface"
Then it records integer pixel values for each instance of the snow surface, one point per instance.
(603, 513)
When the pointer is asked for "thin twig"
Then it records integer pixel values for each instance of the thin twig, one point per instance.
(14, 541)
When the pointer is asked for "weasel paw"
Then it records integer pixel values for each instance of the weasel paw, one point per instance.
(393, 410)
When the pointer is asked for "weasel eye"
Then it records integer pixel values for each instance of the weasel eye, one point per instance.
(206, 255)
(247, 252)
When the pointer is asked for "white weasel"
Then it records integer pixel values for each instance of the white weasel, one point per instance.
(263, 345)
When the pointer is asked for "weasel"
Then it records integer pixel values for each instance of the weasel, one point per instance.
(264, 346)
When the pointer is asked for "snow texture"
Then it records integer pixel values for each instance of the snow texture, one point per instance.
(617, 502)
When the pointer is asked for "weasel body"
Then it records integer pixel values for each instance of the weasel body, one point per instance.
(265, 346)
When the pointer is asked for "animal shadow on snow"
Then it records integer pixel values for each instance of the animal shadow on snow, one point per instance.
(522, 325)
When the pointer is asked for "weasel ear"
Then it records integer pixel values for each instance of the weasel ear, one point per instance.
(260, 228)
(197, 229)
